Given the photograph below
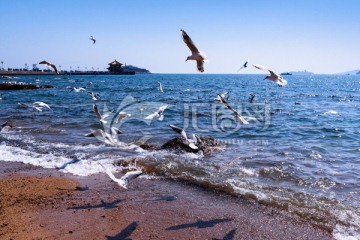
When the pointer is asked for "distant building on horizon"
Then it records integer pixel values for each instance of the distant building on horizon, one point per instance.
(115, 67)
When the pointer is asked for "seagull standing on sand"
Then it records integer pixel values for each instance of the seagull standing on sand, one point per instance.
(273, 76)
(238, 117)
(195, 53)
(243, 66)
(160, 87)
(124, 180)
(190, 142)
(49, 65)
(92, 39)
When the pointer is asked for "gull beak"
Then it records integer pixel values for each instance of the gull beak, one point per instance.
(186, 59)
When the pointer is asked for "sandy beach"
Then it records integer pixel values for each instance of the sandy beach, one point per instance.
(39, 203)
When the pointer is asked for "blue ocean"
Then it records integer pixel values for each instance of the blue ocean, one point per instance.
(300, 151)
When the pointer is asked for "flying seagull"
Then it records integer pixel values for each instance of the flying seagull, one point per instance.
(160, 87)
(79, 89)
(94, 96)
(121, 116)
(42, 104)
(92, 39)
(158, 114)
(124, 180)
(98, 115)
(273, 76)
(190, 142)
(225, 95)
(33, 107)
(238, 117)
(105, 137)
(243, 66)
(49, 65)
(6, 124)
(195, 53)
(251, 97)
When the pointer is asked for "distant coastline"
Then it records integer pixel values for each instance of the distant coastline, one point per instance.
(125, 70)
(47, 73)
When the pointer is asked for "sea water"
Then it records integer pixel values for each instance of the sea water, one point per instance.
(300, 150)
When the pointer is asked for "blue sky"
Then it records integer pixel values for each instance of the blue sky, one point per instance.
(322, 36)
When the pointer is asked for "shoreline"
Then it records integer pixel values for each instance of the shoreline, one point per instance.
(55, 205)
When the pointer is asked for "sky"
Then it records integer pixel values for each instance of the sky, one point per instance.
(322, 36)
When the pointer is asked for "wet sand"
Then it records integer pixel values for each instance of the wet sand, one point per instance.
(39, 203)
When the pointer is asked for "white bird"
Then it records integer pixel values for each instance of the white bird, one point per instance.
(190, 142)
(98, 115)
(94, 96)
(158, 114)
(273, 76)
(79, 89)
(238, 117)
(160, 87)
(49, 65)
(225, 95)
(114, 131)
(42, 104)
(195, 53)
(124, 180)
(121, 116)
(92, 39)
(33, 107)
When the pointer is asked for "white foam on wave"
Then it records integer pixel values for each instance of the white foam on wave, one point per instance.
(83, 167)
(350, 231)
(244, 191)
(248, 171)
(14, 154)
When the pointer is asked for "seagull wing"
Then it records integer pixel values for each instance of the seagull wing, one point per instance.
(162, 109)
(238, 117)
(243, 66)
(189, 42)
(121, 116)
(23, 105)
(200, 65)
(227, 105)
(44, 62)
(160, 87)
(273, 75)
(179, 131)
(115, 131)
(54, 67)
(260, 67)
(151, 116)
(42, 104)
(110, 174)
(97, 113)
(131, 175)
